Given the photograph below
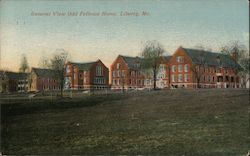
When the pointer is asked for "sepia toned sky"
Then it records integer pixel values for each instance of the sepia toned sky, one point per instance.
(184, 23)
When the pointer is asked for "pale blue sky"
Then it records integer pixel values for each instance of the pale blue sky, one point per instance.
(87, 38)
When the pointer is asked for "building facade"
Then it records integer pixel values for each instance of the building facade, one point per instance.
(91, 75)
(192, 68)
(43, 80)
(162, 77)
(13, 82)
(125, 72)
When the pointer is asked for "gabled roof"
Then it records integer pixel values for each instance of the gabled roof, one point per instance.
(46, 73)
(132, 61)
(83, 66)
(211, 58)
(13, 75)
(166, 59)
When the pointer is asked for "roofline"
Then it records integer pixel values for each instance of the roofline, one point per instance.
(82, 62)
(204, 51)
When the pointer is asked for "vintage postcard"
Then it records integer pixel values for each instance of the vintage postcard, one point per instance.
(124, 77)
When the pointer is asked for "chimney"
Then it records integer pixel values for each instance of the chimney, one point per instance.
(218, 60)
(234, 56)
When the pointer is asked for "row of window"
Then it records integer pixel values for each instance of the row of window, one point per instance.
(131, 82)
(180, 68)
(136, 65)
(213, 70)
(99, 71)
(48, 80)
(99, 80)
(118, 73)
(19, 88)
(203, 78)
(161, 76)
(80, 75)
(180, 78)
(121, 73)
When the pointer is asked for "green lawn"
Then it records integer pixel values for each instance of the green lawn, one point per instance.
(170, 122)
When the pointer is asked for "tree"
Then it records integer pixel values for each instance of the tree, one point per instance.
(151, 55)
(57, 64)
(44, 62)
(24, 67)
(241, 54)
(199, 67)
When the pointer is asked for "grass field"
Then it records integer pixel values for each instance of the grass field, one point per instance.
(169, 122)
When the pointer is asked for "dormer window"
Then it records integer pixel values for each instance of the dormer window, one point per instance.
(179, 59)
(67, 69)
(117, 66)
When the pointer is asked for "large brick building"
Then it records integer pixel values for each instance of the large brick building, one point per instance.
(43, 80)
(194, 68)
(125, 72)
(162, 77)
(91, 75)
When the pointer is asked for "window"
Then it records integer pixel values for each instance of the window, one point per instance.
(84, 80)
(117, 66)
(186, 78)
(173, 78)
(67, 69)
(118, 82)
(179, 68)
(113, 81)
(179, 77)
(123, 73)
(98, 70)
(173, 68)
(186, 67)
(161, 67)
(179, 59)
(118, 73)
(113, 73)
